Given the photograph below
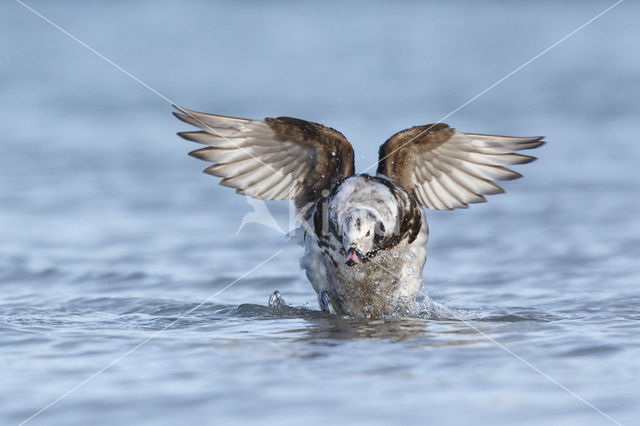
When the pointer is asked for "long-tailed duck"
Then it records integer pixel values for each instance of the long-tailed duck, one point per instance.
(365, 236)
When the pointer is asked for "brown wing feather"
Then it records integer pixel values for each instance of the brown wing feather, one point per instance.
(446, 169)
(332, 154)
(273, 159)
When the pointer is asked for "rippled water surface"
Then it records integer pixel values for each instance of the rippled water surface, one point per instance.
(115, 251)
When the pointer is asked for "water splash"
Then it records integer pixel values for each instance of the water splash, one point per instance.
(276, 301)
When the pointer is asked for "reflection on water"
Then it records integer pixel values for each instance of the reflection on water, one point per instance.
(416, 331)
(448, 327)
(332, 329)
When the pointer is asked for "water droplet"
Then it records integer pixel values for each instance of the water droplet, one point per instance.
(276, 301)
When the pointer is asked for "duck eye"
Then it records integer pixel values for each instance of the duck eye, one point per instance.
(368, 233)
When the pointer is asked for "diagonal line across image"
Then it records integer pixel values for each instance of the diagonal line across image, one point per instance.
(147, 340)
(64, 395)
(608, 9)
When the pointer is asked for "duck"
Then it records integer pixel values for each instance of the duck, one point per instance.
(364, 235)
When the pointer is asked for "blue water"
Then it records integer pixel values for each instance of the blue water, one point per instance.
(109, 233)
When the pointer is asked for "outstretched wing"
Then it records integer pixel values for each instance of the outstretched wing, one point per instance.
(445, 169)
(272, 159)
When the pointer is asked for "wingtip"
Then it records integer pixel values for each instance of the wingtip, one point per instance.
(186, 118)
(201, 153)
(194, 154)
(540, 140)
(524, 159)
(513, 176)
(531, 143)
(185, 112)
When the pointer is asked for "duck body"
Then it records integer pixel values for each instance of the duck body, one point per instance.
(388, 276)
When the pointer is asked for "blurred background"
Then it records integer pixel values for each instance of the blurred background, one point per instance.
(109, 232)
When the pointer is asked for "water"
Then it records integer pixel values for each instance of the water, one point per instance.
(109, 233)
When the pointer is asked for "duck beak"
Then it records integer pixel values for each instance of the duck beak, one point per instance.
(353, 257)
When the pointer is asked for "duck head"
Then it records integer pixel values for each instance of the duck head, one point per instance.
(360, 230)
